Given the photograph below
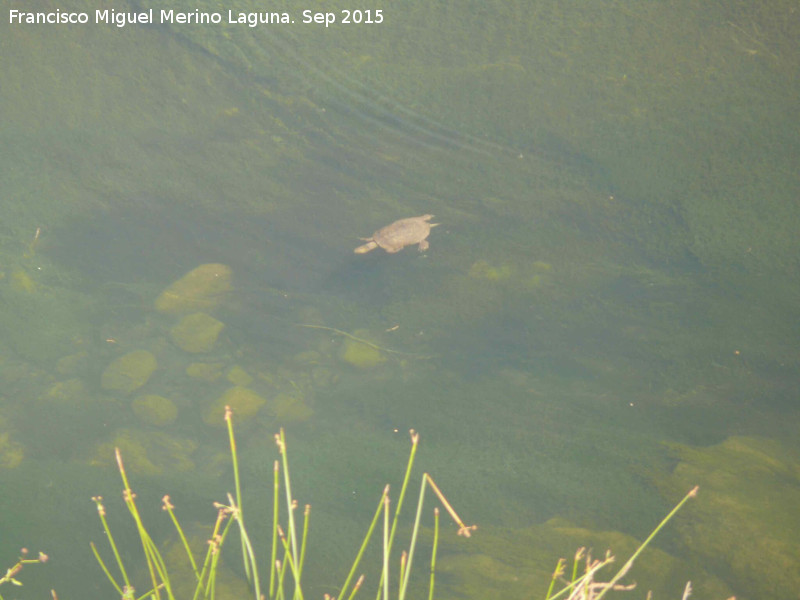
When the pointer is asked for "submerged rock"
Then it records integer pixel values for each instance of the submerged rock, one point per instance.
(73, 363)
(244, 402)
(205, 371)
(196, 333)
(201, 289)
(361, 354)
(238, 376)
(129, 372)
(147, 452)
(71, 391)
(289, 408)
(154, 410)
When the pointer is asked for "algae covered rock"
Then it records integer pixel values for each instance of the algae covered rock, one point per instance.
(69, 391)
(129, 372)
(244, 402)
(196, 333)
(147, 452)
(201, 289)
(73, 363)
(154, 410)
(745, 519)
(289, 408)
(238, 376)
(361, 354)
(205, 371)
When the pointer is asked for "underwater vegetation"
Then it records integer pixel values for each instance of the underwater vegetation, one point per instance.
(196, 333)
(129, 372)
(361, 354)
(746, 533)
(287, 566)
(189, 562)
(202, 575)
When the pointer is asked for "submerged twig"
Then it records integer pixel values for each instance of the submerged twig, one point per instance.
(360, 340)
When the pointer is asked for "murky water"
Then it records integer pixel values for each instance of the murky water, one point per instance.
(605, 317)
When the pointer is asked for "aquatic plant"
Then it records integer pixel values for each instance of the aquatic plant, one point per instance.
(586, 586)
(11, 573)
(289, 544)
(289, 537)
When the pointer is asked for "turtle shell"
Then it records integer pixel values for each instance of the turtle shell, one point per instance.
(402, 233)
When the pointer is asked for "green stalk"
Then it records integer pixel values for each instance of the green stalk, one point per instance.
(249, 555)
(385, 572)
(691, 494)
(414, 442)
(211, 584)
(216, 543)
(402, 575)
(129, 496)
(159, 565)
(281, 568)
(169, 508)
(306, 519)
(298, 592)
(282, 574)
(105, 569)
(361, 550)
(356, 587)
(435, 545)
(578, 556)
(237, 486)
(558, 572)
(102, 512)
(275, 508)
(585, 578)
(414, 537)
(281, 440)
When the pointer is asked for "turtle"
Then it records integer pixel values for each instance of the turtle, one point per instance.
(400, 234)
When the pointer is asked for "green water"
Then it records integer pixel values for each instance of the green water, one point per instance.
(606, 316)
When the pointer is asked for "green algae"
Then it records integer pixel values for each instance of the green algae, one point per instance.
(12, 453)
(205, 371)
(129, 372)
(239, 376)
(361, 355)
(22, 282)
(243, 401)
(512, 562)
(196, 333)
(203, 288)
(152, 453)
(154, 410)
(744, 523)
(289, 408)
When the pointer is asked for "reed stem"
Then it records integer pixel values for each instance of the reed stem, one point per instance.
(433, 552)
